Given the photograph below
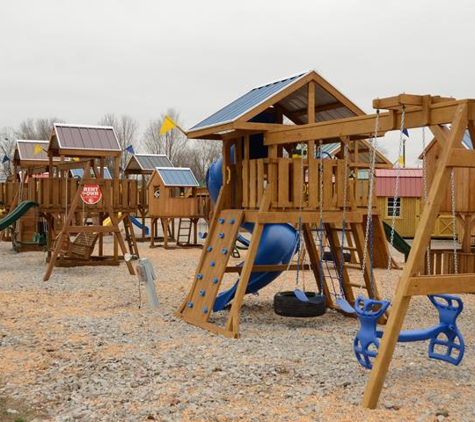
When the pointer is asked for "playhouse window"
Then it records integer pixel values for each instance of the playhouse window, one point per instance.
(394, 206)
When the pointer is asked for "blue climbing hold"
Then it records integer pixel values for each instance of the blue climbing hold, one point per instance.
(212, 263)
(221, 235)
(224, 251)
(190, 305)
(205, 310)
(199, 276)
(209, 248)
(202, 292)
(221, 220)
(232, 221)
(215, 280)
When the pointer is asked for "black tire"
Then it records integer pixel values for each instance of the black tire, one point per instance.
(287, 304)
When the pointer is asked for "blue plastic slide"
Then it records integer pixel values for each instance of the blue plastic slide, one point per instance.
(277, 245)
(139, 225)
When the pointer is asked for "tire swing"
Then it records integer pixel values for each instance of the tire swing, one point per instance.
(301, 303)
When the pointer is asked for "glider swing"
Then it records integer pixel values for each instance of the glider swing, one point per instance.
(446, 342)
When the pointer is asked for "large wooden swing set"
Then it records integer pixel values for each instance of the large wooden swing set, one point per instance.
(420, 111)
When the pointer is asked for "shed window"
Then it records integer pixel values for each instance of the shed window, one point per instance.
(394, 206)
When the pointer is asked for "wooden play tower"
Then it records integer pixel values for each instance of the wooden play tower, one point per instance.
(264, 185)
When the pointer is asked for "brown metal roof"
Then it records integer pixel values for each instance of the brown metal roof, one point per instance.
(78, 137)
(25, 150)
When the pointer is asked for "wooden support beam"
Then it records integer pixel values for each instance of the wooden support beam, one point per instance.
(462, 158)
(440, 113)
(306, 217)
(439, 284)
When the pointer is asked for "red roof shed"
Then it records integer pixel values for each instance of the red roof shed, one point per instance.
(410, 182)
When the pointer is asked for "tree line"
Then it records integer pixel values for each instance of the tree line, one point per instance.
(182, 152)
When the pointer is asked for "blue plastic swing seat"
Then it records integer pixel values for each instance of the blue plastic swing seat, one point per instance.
(446, 341)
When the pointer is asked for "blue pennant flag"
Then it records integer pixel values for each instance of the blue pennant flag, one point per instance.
(5, 159)
(130, 149)
(405, 132)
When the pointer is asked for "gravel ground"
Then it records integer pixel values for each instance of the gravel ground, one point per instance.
(79, 348)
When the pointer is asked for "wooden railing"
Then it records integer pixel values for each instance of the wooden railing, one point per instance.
(8, 191)
(297, 184)
(442, 262)
(56, 194)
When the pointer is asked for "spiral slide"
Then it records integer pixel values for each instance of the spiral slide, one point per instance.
(277, 245)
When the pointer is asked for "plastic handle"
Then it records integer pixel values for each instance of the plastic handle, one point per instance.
(228, 178)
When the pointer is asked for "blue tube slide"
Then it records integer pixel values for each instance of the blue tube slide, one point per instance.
(139, 225)
(277, 245)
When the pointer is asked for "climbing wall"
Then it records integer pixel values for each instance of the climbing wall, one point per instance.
(215, 256)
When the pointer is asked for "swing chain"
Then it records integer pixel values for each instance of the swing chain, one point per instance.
(396, 197)
(454, 221)
(320, 188)
(369, 218)
(424, 187)
(345, 195)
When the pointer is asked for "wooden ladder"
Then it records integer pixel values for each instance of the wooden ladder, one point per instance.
(355, 232)
(130, 236)
(198, 305)
(184, 224)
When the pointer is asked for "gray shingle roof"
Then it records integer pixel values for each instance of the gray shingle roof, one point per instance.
(173, 176)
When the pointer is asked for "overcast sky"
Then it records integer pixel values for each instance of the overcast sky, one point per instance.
(78, 60)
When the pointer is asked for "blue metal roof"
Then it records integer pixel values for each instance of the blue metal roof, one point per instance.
(78, 173)
(247, 102)
(467, 141)
(173, 176)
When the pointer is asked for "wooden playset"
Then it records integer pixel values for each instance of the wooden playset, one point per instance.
(264, 187)
(141, 167)
(79, 211)
(174, 193)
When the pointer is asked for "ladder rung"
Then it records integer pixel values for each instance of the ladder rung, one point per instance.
(354, 285)
(350, 248)
(355, 266)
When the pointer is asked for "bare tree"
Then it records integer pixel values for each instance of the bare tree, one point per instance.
(126, 129)
(172, 144)
(7, 149)
(38, 129)
(200, 156)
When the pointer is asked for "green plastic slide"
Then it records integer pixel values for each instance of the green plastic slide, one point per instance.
(399, 243)
(14, 215)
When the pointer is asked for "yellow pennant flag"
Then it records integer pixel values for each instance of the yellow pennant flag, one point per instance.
(38, 149)
(401, 160)
(167, 125)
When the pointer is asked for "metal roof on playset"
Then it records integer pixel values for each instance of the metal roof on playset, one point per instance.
(83, 137)
(146, 163)
(173, 176)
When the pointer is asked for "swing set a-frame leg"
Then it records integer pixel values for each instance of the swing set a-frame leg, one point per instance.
(416, 256)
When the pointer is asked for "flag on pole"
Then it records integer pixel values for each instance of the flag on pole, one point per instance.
(167, 125)
(38, 149)
(405, 132)
(5, 159)
(130, 149)
(401, 161)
